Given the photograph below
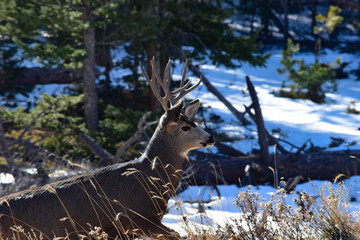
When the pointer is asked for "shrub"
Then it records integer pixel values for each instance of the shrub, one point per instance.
(55, 123)
(326, 215)
(118, 125)
(332, 211)
(309, 81)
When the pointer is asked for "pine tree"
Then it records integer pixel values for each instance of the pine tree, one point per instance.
(80, 34)
(64, 34)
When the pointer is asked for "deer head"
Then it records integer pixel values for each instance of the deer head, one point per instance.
(177, 121)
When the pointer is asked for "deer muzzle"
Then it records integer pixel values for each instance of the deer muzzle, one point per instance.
(209, 143)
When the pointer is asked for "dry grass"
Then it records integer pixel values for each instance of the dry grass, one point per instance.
(333, 214)
(323, 214)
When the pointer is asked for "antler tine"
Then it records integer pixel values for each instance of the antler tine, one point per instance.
(156, 75)
(167, 77)
(186, 91)
(165, 84)
(184, 73)
(152, 83)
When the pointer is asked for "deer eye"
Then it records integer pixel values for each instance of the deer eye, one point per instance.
(186, 128)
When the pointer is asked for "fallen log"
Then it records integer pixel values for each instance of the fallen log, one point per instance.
(38, 75)
(326, 165)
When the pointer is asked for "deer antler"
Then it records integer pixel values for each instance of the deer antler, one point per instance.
(165, 84)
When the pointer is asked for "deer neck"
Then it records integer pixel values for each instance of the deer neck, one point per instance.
(165, 155)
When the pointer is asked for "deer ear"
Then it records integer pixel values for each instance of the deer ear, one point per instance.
(174, 111)
(172, 115)
(191, 109)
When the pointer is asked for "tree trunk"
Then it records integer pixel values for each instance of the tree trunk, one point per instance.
(103, 58)
(282, 27)
(154, 50)
(89, 75)
(265, 17)
(312, 4)
(286, 22)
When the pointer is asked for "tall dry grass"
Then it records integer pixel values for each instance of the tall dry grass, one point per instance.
(323, 214)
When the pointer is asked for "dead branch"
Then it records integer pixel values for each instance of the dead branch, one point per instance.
(42, 153)
(240, 116)
(262, 131)
(36, 118)
(271, 139)
(106, 157)
(96, 149)
(141, 128)
(262, 136)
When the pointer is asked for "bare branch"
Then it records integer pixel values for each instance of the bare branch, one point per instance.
(139, 132)
(36, 118)
(272, 140)
(96, 149)
(240, 116)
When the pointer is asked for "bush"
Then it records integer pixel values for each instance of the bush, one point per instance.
(309, 81)
(323, 216)
(118, 125)
(55, 123)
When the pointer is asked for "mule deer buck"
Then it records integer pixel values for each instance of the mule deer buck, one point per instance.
(126, 199)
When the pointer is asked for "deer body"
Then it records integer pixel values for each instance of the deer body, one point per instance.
(127, 197)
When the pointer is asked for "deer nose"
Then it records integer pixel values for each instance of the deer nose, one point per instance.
(211, 140)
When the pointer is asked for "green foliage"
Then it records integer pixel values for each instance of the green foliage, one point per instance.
(57, 121)
(330, 21)
(118, 125)
(197, 30)
(51, 113)
(327, 24)
(51, 32)
(10, 68)
(54, 120)
(315, 79)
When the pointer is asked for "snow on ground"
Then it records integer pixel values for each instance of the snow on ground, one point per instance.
(298, 120)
